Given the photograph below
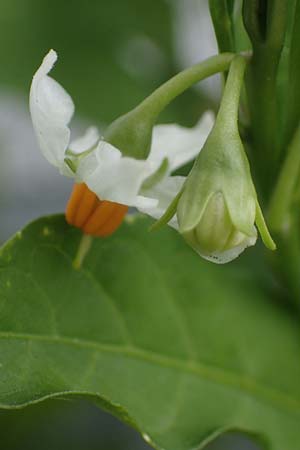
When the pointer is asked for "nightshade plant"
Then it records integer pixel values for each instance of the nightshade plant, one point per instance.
(94, 305)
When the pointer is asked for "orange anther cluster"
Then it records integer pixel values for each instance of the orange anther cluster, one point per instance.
(92, 215)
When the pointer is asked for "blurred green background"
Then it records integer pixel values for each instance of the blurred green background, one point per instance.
(111, 55)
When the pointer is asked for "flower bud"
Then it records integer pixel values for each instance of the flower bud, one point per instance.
(218, 207)
(215, 236)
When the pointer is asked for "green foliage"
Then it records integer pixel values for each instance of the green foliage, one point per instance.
(181, 349)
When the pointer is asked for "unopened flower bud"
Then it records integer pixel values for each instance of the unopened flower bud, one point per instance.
(215, 237)
(218, 207)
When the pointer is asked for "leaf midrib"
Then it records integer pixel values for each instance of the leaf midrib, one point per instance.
(248, 385)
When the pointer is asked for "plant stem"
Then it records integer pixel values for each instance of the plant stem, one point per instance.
(83, 249)
(132, 132)
(266, 26)
(168, 91)
(284, 190)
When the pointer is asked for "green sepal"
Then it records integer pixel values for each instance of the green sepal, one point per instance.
(71, 164)
(168, 214)
(132, 133)
(263, 229)
(72, 159)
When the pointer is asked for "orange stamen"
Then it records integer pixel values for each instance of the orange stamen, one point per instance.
(74, 201)
(85, 208)
(112, 224)
(100, 215)
(94, 216)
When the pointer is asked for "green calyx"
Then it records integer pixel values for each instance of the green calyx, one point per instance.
(132, 133)
(215, 236)
(73, 159)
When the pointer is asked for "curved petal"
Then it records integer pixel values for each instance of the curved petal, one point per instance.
(223, 257)
(163, 193)
(85, 142)
(231, 254)
(112, 176)
(179, 144)
(51, 110)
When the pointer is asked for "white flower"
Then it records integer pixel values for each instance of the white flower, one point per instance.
(145, 184)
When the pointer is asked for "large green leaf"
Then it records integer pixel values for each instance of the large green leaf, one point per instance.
(180, 348)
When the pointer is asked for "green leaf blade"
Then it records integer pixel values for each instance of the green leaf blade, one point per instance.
(179, 348)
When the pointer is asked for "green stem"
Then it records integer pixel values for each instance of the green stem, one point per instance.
(261, 87)
(223, 24)
(132, 132)
(229, 108)
(83, 249)
(278, 21)
(284, 190)
(168, 91)
(266, 26)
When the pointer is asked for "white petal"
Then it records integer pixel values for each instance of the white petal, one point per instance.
(164, 192)
(145, 203)
(85, 142)
(112, 176)
(51, 110)
(231, 254)
(179, 144)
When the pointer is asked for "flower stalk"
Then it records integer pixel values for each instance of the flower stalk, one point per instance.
(132, 132)
(162, 96)
(82, 251)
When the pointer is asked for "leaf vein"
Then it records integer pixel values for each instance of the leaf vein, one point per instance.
(211, 373)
